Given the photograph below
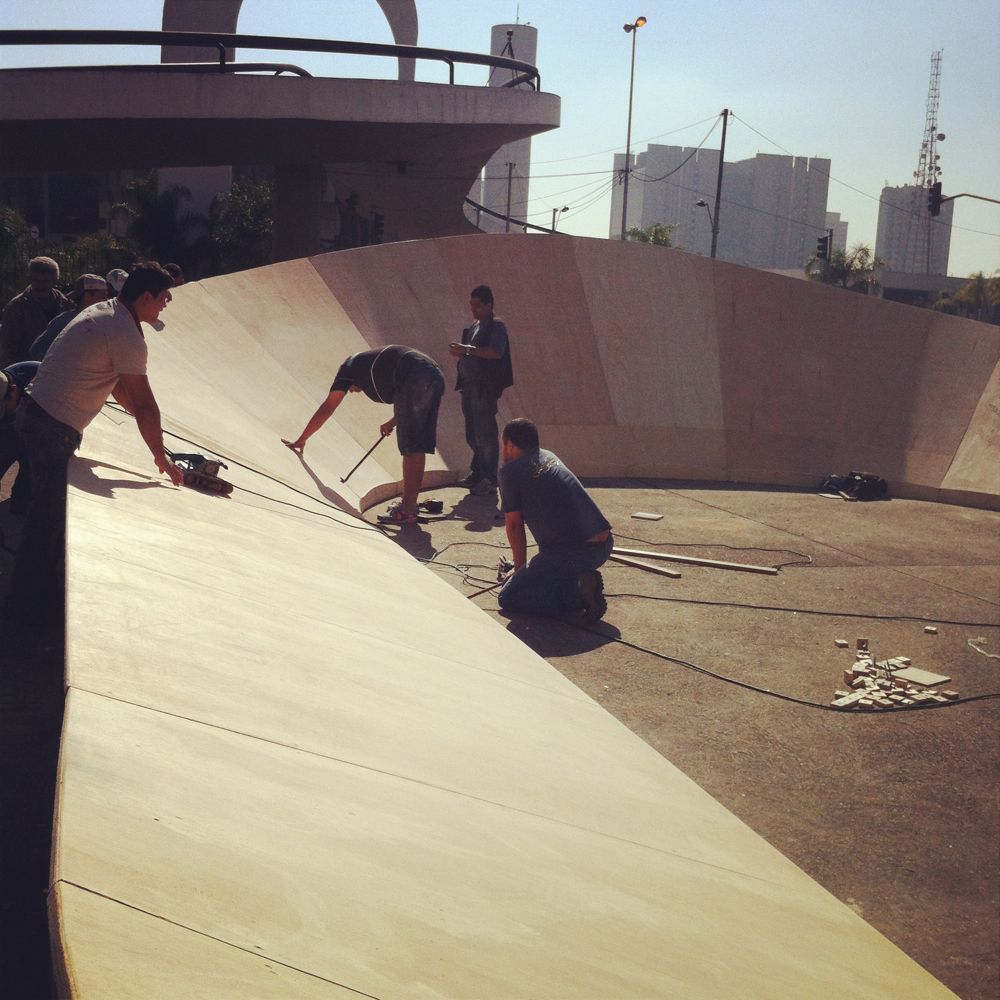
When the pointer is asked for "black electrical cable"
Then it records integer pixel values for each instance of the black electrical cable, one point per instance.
(809, 611)
(364, 526)
(821, 706)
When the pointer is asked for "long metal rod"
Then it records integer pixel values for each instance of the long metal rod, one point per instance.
(694, 561)
(658, 570)
(213, 39)
(363, 457)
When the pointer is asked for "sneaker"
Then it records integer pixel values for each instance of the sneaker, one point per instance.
(483, 488)
(470, 480)
(398, 514)
(592, 592)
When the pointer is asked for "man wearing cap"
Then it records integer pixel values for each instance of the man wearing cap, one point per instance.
(115, 278)
(414, 384)
(13, 381)
(28, 314)
(102, 351)
(87, 289)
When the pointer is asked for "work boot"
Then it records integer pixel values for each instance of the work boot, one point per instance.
(592, 592)
(483, 488)
(470, 480)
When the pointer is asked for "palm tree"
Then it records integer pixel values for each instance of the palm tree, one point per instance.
(855, 269)
(978, 298)
(157, 223)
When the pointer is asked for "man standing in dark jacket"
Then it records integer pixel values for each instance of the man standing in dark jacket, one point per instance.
(28, 314)
(484, 371)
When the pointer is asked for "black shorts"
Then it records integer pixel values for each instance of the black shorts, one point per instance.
(416, 409)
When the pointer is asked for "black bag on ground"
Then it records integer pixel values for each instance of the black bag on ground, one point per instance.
(857, 486)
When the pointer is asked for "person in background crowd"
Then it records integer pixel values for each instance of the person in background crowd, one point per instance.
(29, 313)
(87, 289)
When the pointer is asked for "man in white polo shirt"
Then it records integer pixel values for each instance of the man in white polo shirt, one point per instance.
(100, 353)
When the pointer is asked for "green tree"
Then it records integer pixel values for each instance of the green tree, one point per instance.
(855, 269)
(978, 298)
(240, 226)
(659, 234)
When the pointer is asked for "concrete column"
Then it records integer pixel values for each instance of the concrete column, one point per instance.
(298, 193)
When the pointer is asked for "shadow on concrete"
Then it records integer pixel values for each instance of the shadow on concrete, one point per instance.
(414, 539)
(331, 496)
(478, 513)
(83, 477)
(554, 637)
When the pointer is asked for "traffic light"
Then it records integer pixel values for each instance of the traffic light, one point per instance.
(934, 198)
(823, 248)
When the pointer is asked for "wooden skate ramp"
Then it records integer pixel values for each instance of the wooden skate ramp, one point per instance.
(295, 763)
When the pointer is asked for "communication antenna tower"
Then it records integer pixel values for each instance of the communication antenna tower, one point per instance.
(928, 171)
(916, 250)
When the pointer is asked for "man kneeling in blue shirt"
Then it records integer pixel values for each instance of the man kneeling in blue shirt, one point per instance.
(574, 538)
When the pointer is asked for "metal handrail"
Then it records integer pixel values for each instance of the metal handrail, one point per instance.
(193, 67)
(223, 41)
(520, 223)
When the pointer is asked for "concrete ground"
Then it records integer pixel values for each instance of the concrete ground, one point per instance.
(895, 813)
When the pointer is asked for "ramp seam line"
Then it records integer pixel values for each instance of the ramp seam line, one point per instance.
(212, 937)
(445, 789)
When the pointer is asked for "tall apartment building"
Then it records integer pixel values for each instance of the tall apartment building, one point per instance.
(773, 208)
(909, 239)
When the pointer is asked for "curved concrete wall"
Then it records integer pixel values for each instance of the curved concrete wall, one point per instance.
(296, 763)
(633, 360)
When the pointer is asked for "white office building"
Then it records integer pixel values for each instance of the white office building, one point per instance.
(909, 239)
(772, 210)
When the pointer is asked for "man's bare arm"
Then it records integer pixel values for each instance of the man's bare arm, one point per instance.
(120, 396)
(514, 524)
(139, 396)
(324, 411)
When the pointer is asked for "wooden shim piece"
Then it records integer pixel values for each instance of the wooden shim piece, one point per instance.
(659, 570)
(694, 561)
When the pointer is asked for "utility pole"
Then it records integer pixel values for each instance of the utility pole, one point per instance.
(718, 183)
(510, 181)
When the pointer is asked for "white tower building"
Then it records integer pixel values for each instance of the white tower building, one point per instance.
(506, 174)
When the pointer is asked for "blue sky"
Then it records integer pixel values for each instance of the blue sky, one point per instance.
(846, 81)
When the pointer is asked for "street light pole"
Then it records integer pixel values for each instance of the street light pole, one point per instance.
(629, 29)
(556, 212)
(701, 203)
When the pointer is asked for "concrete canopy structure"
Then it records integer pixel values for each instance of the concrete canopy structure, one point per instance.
(404, 150)
(296, 764)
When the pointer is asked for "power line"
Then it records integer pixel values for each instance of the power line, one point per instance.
(616, 149)
(876, 198)
(653, 180)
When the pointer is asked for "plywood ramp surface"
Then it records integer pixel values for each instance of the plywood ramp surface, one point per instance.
(295, 763)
